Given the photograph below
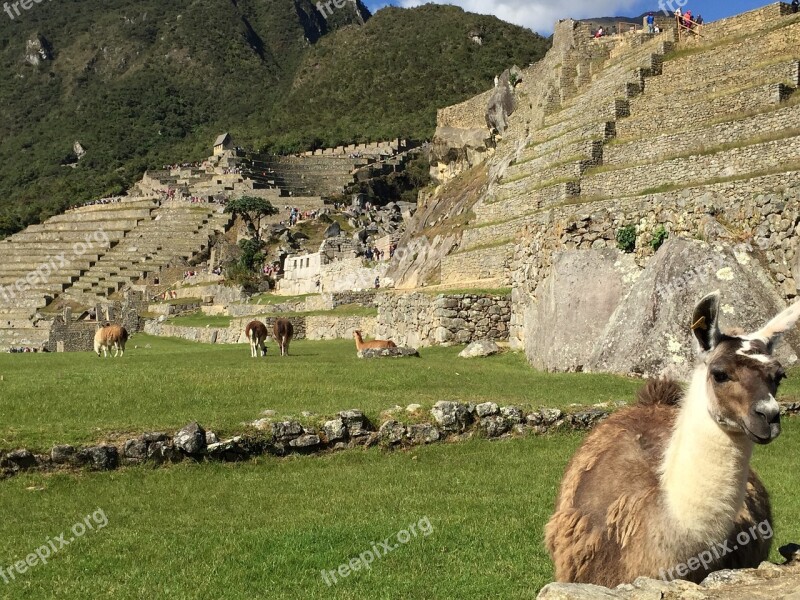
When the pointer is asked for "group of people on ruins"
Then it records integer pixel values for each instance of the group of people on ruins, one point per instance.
(96, 203)
(686, 21)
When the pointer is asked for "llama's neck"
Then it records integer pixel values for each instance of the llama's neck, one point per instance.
(359, 343)
(705, 470)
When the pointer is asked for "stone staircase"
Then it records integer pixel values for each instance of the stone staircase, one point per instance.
(655, 117)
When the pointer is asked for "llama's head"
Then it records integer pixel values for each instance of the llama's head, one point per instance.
(742, 375)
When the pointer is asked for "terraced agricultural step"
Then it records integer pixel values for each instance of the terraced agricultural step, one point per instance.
(693, 169)
(786, 72)
(482, 263)
(690, 116)
(656, 147)
(524, 202)
(752, 67)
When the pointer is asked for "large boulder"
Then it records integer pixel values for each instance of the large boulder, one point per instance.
(502, 102)
(480, 349)
(573, 305)
(650, 331)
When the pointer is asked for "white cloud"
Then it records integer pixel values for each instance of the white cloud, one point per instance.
(539, 15)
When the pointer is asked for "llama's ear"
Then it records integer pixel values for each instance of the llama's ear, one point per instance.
(705, 322)
(772, 332)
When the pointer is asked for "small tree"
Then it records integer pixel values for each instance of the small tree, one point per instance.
(252, 211)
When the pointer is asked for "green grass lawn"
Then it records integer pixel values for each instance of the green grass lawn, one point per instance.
(266, 529)
(161, 383)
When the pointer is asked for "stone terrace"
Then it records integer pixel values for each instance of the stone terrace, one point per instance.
(177, 230)
(42, 261)
(88, 253)
(646, 115)
(308, 175)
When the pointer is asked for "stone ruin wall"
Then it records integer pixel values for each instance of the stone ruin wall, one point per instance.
(317, 327)
(69, 335)
(470, 114)
(418, 320)
(768, 222)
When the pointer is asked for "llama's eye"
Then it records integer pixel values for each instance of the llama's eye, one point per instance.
(720, 376)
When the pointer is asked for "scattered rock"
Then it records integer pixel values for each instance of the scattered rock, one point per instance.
(392, 432)
(550, 416)
(154, 436)
(480, 349)
(262, 424)
(451, 417)
(424, 433)
(357, 424)
(191, 439)
(100, 458)
(306, 441)
(335, 430)
(495, 426)
(412, 408)
(512, 414)
(19, 460)
(62, 455)
(162, 452)
(487, 409)
(135, 450)
(211, 438)
(398, 352)
(285, 431)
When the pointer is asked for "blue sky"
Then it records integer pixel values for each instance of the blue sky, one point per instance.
(540, 15)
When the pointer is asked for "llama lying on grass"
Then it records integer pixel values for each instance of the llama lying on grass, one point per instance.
(362, 345)
(664, 488)
(282, 331)
(256, 333)
(108, 337)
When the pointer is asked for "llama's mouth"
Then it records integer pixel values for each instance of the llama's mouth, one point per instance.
(774, 430)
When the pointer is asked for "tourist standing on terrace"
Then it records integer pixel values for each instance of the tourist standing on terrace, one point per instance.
(795, 5)
(651, 23)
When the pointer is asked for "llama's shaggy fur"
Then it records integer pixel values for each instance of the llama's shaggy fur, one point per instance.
(282, 332)
(256, 333)
(110, 337)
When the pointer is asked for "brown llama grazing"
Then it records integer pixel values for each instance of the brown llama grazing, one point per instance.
(110, 336)
(664, 488)
(362, 345)
(282, 331)
(256, 333)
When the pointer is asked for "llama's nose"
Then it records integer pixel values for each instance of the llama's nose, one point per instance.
(767, 417)
(768, 410)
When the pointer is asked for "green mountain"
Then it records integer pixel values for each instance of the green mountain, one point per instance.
(146, 83)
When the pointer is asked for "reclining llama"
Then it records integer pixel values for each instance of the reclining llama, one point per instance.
(664, 488)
